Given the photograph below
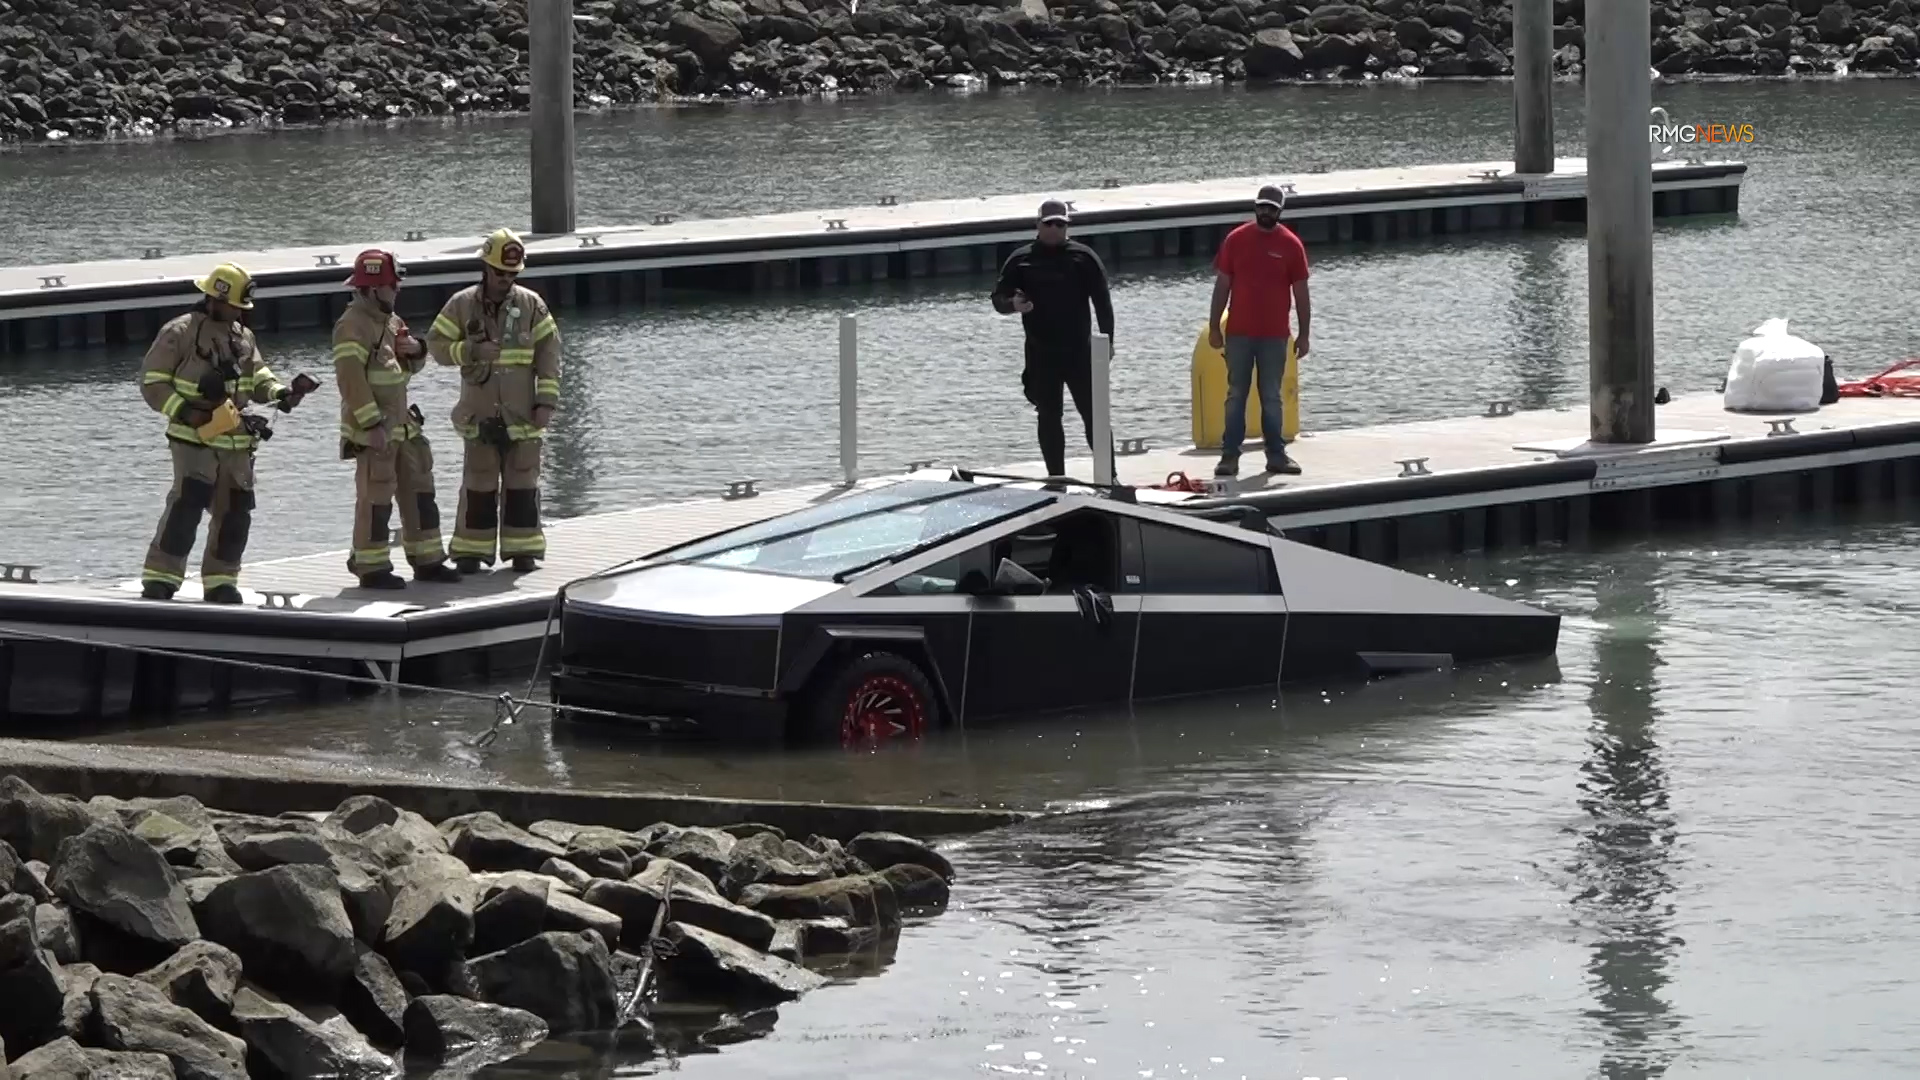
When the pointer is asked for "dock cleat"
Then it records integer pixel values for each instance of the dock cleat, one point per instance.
(223, 594)
(438, 571)
(382, 579)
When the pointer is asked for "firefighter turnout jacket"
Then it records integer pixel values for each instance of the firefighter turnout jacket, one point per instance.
(184, 352)
(371, 376)
(527, 372)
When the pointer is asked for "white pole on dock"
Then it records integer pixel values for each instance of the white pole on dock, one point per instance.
(850, 398)
(1102, 415)
(1619, 221)
(550, 64)
(1533, 86)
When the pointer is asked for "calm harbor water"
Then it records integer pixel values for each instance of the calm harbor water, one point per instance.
(1682, 849)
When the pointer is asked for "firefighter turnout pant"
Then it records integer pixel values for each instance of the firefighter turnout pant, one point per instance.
(204, 479)
(399, 472)
(499, 503)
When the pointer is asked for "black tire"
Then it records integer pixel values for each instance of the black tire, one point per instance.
(875, 697)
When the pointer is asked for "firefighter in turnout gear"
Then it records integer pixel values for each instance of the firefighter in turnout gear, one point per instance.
(374, 358)
(202, 368)
(507, 346)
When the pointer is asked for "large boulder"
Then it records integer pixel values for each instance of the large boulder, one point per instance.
(705, 850)
(707, 967)
(636, 904)
(297, 1046)
(865, 900)
(484, 841)
(31, 993)
(201, 977)
(35, 825)
(118, 881)
(565, 979)
(130, 1015)
(65, 1059)
(374, 999)
(464, 1036)
(916, 886)
(880, 850)
(16, 878)
(352, 866)
(432, 920)
(288, 927)
(766, 858)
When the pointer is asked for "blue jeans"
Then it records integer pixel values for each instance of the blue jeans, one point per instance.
(1244, 355)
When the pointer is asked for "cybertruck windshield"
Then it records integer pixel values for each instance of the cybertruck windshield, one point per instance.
(823, 542)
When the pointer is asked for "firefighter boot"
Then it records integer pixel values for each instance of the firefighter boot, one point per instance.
(382, 579)
(437, 571)
(525, 564)
(466, 564)
(156, 590)
(222, 594)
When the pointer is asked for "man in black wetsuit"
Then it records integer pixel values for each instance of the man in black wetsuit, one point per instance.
(1051, 282)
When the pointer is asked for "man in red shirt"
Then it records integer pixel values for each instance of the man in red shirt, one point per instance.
(1262, 269)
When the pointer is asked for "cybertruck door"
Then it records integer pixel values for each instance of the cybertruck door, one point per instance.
(1045, 653)
(1212, 618)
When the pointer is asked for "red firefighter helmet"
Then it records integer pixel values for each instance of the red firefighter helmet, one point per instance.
(373, 268)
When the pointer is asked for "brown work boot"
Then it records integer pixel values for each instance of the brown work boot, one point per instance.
(382, 579)
(435, 571)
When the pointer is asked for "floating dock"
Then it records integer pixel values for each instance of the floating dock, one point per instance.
(122, 300)
(1508, 479)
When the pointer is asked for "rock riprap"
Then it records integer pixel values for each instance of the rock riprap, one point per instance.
(160, 937)
(90, 68)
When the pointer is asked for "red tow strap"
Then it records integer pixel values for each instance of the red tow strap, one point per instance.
(1885, 384)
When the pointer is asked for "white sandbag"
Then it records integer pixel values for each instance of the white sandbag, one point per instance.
(1774, 371)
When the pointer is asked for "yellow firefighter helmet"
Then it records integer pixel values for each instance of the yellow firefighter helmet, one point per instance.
(230, 283)
(504, 251)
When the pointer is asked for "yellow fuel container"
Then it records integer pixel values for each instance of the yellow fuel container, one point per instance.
(224, 419)
(1210, 394)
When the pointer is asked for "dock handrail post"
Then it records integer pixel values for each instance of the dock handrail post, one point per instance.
(550, 69)
(1102, 409)
(850, 398)
(1533, 150)
(1619, 222)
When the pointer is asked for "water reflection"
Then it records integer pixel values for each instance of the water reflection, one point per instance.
(1624, 859)
(1542, 304)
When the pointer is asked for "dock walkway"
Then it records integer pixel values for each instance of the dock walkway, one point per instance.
(1385, 492)
(112, 301)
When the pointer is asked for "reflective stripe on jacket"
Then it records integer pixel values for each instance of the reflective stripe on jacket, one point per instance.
(371, 376)
(188, 347)
(526, 375)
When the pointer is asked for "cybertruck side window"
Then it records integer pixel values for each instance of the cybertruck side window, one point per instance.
(1178, 561)
(941, 577)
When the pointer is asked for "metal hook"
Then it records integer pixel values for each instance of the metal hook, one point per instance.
(1413, 466)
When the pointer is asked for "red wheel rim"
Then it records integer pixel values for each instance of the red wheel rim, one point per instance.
(883, 708)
